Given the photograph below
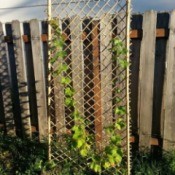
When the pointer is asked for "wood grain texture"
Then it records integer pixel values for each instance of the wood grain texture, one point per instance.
(39, 77)
(77, 62)
(106, 70)
(169, 99)
(59, 96)
(22, 78)
(97, 84)
(147, 60)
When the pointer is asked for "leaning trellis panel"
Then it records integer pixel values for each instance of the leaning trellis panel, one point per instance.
(100, 85)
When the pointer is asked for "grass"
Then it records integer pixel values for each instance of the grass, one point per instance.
(146, 164)
(28, 157)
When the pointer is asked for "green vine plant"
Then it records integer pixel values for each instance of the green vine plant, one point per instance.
(81, 141)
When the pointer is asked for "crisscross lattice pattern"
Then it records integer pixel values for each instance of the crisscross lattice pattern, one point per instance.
(100, 85)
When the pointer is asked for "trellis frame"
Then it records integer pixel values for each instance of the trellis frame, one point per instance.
(127, 42)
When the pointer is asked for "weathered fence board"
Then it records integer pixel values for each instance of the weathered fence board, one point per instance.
(5, 85)
(159, 72)
(14, 82)
(147, 60)
(106, 70)
(22, 78)
(59, 97)
(40, 82)
(169, 99)
(77, 62)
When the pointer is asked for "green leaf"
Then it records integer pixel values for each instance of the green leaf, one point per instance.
(65, 80)
(120, 124)
(118, 158)
(123, 63)
(80, 143)
(106, 165)
(59, 44)
(84, 152)
(68, 102)
(116, 139)
(69, 92)
(121, 110)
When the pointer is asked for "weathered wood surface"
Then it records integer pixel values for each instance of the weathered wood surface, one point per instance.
(97, 84)
(77, 62)
(5, 87)
(40, 82)
(146, 80)
(159, 74)
(169, 98)
(22, 78)
(106, 71)
(59, 96)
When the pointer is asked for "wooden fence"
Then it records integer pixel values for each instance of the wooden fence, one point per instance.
(23, 58)
(152, 79)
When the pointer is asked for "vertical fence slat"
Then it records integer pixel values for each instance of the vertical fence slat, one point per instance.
(22, 78)
(77, 62)
(59, 98)
(134, 68)
(159, 74)
(97, 83)
(5, 84)
(169, 99)
(106, 69)
(31, 79)
(147, 60)
(39, 77)
(14, 82)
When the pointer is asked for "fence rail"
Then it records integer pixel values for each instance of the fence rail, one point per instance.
(23, 60)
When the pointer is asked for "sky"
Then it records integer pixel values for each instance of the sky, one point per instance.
(158, 5)
(6, 15)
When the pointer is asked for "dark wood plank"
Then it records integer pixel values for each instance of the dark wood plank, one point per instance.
(134, 70)
(40, 82)
(146, 80)
(97, 84)
(159, 73)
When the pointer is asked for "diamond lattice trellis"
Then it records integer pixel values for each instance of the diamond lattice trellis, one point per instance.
(88, 27)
